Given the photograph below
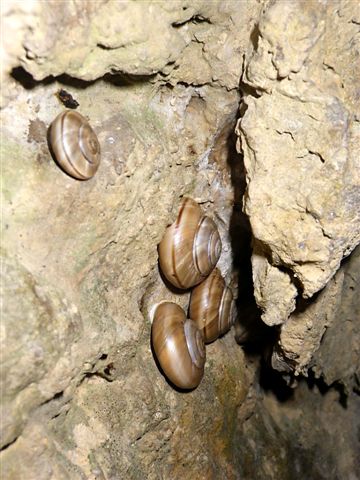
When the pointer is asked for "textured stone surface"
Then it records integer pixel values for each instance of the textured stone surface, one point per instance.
(324, 333)
(93, 244)
(135, 427)
(333, 362)
(303, 432)
(84, 397)
(300, 135)
(274, 292)
(37, 345)
(158, 82)
(183, 41)
(306, 212)
(301, 335)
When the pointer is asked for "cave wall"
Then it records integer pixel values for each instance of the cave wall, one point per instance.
(303, 182)
(164, 84)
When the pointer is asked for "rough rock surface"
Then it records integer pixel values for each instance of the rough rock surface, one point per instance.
(301, 430)
(345, 330)
(183, 41)
(81, 395)
(84, 397)
(300, 136)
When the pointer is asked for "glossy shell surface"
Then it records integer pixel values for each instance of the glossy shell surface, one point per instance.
(178, 345)
(212, 306)
(190, 247)
(74, 145)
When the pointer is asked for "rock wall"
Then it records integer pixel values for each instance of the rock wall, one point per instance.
(300, 136)
(163, 84)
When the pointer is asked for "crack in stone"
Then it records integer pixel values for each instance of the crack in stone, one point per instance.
(112, 242)
(285, 132)
(322, 159)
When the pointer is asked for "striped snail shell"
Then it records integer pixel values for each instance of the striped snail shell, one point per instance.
(74, 145)
(212, 306)
(178, 345)
(190, 247)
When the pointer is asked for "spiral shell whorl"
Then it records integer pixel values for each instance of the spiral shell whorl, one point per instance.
(226, 311)
(195, 343)
(190, 247)
(75, 145)
(212, 306)
(178, 345)
(207, 246)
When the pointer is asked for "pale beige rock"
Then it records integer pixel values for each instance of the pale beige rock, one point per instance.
(274, 292)
(87, 40)
(18, 18)
(344, 331)
(301, 335)
(300, 135)
(37, 343)
(206, 62)
(95, 404)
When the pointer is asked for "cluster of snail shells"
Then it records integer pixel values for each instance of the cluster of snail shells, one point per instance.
(74, 145)
(188, 254)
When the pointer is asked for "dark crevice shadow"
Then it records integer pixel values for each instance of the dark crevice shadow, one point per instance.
(251, 332)
(69, 81)
(195, 19)
(7, 445)
(294, 280)
(255, 337)
(312, 381)
(26, 80)
(271, 380)
(57, 396)
(118, 79)
(254, 36)
(121, 79)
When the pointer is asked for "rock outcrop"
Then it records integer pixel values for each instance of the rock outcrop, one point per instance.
(163, 85)
(300, 136)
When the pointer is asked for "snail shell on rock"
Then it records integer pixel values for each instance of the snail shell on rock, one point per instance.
(178, 345)
(190, 248)
(75, 145)
(212, 306)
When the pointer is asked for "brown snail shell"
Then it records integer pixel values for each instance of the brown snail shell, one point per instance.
(190, 247)
(178, 345)
(75, 145)
(212, 306)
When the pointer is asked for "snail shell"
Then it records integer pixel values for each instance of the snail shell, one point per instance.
(75, 145)
(190, 248)
(212, 306)
(178, 345)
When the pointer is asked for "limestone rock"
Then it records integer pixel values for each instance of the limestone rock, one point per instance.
(274, 292)
(39, 331)
(309, 218)
(298, 428)
(314, 336)
(301, 335)
(345, 330)
(158, 82)
(88, 398)
(91, 39)
(300, 136)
